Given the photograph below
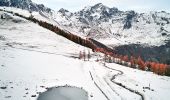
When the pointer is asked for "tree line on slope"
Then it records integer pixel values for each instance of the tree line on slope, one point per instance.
(136, 62)
(132, 61)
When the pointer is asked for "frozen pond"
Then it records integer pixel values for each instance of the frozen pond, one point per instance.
(64, 93)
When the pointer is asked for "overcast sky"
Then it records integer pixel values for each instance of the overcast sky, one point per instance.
(138, 5)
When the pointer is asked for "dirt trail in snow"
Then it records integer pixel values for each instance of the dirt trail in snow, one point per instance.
(120, 84)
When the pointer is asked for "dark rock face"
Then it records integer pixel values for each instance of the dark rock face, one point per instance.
(63, 10)
(128, 20)
(83, 20)
(65, 13)
(4, 3)
(25, 4)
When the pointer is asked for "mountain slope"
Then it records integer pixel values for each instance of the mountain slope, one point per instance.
(34, 59)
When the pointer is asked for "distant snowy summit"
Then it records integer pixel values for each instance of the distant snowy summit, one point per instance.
(25, 4)
(124, 27)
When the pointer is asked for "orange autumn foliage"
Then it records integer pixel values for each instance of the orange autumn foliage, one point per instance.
(125, 58)
(141, 63)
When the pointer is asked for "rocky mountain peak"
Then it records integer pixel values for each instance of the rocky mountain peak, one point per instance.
(99, 8)
(99, 5)
(65, 12)
(96, 12)
(62, 10)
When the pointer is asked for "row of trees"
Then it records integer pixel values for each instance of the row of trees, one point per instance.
(85, 56)
(136, 62)
(155, 67)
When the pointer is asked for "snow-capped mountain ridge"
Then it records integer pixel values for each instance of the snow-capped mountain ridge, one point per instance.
(110, 26)
(25, 4)
(104, 23)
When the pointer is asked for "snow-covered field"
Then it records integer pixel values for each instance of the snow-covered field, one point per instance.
(33, 59)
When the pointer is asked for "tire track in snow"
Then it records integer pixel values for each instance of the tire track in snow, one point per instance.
(26, 49)
(113, 89)
(98, 86)
(120, 84)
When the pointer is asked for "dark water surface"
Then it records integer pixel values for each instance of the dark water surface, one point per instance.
(64, 93)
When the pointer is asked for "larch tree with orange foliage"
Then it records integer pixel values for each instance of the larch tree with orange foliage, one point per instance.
(125, 58)
(162, 69)
(148, 65)
(154, 67)
(141, 63)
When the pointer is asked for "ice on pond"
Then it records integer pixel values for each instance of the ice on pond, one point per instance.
(64, 93)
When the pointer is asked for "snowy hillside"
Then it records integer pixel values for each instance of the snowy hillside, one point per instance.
(33, 59)
(114, 27)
